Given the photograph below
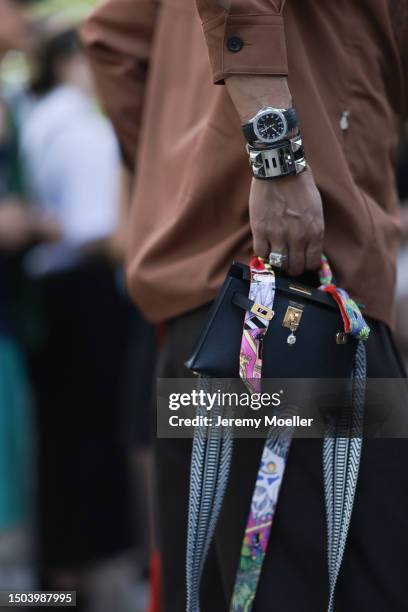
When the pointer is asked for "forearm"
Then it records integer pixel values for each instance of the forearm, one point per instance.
(249, 93)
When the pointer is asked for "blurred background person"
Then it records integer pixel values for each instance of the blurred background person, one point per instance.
(19, 229)
(85, 511)
(70, 154)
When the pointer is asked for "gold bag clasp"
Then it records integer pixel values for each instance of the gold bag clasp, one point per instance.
(263, 311)
(293, 316)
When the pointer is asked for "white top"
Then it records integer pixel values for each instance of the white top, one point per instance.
(72, 161)
(402, 272)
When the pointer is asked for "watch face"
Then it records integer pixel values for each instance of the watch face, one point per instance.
(270, 126)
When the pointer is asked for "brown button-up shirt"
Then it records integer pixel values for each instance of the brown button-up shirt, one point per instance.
(189, 218)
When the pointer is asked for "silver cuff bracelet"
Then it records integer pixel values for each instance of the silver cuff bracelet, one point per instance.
(282, 159)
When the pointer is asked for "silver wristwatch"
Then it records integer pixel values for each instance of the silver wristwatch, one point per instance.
(284, 158)
(271, 125)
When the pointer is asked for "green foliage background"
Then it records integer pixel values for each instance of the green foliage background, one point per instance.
(48, 8)
(14, 69)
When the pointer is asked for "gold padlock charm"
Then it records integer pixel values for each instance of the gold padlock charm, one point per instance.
(292, 320)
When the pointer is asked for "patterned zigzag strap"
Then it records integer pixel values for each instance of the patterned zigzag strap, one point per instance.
(341, 461)
(343, 441)
(210, 466)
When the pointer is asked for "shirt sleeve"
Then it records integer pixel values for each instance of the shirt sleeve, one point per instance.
(248, 37)
(117, 38)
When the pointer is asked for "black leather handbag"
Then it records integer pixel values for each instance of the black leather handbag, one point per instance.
(305, 340)
(321, 349)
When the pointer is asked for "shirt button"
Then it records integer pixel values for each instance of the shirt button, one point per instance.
(345, 120)
(234, 44)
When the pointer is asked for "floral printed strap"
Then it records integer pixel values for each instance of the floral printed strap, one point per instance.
(262, 293)
(263, 506)
(272, 466)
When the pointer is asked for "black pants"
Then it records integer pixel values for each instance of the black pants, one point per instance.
(295, 575)
(84, 504)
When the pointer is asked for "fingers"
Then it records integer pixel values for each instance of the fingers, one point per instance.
(314, 247)
(296, 240)
(279, 246)
(296, 259)
(302, 253)
(261, 244)
(313, 254)
(305, 253)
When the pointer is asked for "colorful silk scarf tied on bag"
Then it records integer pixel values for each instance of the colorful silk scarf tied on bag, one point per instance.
(262, 292)
(272, 466)
(353, 320)
(273, 461)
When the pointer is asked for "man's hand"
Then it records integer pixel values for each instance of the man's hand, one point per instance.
(287, 217)
(19, 227)
(286, 214)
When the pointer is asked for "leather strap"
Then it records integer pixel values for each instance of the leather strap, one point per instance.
(248, 131)
(291, 117)
(240, 300)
